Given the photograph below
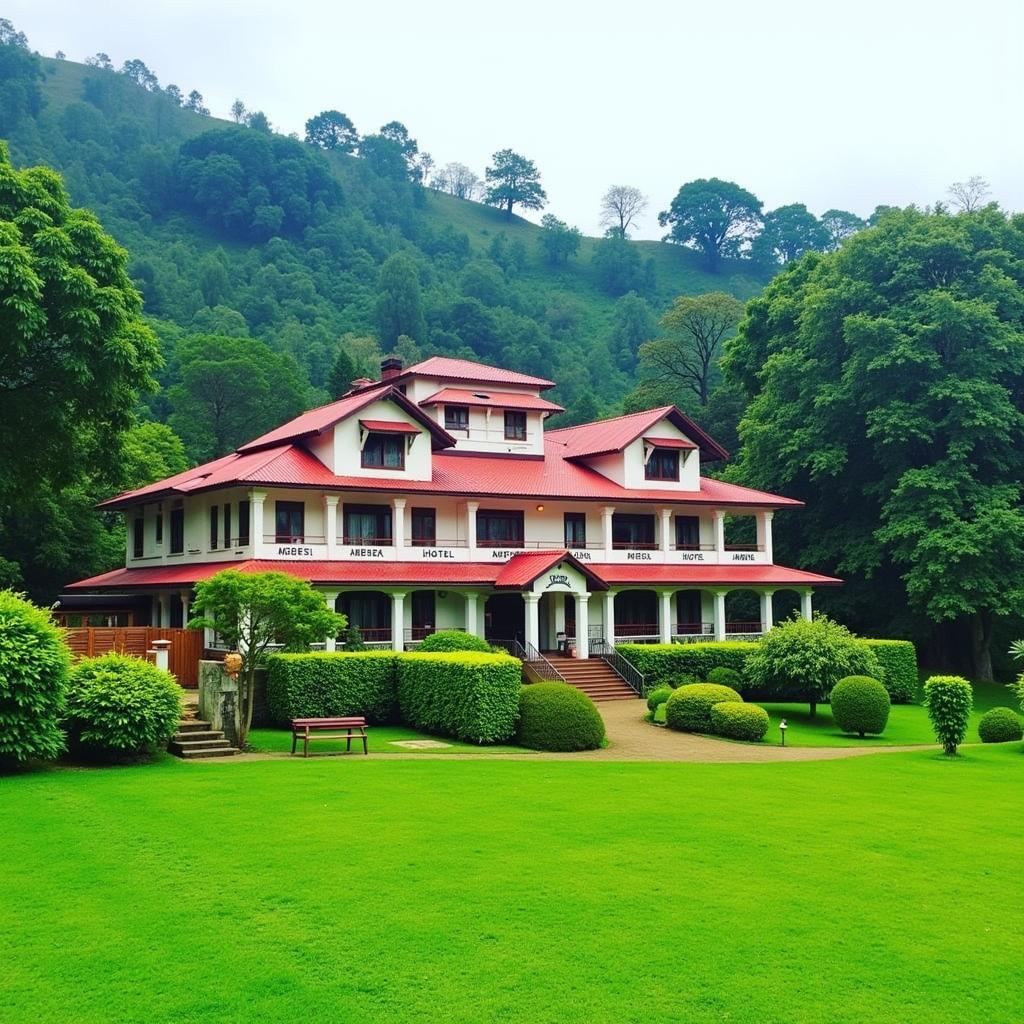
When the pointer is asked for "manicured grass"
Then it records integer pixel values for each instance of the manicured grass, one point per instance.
(381, 740)
(879, 889)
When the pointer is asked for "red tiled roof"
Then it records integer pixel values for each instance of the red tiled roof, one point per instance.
(604, 437)
(389, 426)
(670, 442)
(496, 400)
(527, 567)
(443, 368)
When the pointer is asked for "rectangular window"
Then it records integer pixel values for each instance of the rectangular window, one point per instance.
(384, 451)
(227, 526)
(662, 465)
(687, 533)
(499, 528)
(575, 530)
(289, 522)
(177, 531)
(367, 524)
(159, 528)
(424, 613)
(214, 527)
(243, 522)
(456, 417)
(424, 528)
(515, 426)
(138, 536)
(632, 531)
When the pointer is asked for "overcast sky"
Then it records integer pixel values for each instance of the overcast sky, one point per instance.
(833, 105)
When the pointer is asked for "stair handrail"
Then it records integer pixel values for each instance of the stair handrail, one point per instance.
(619, 664)
(533, 660)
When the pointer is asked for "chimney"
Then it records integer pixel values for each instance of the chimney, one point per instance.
(390, 368)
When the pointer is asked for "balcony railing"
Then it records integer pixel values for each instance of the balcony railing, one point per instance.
(287, 538)
(377, 542)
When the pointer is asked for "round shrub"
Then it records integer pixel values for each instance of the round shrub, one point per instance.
(556, 716)
(118, 704)
(689, 707)
(949, 700)
(860, 704)
(681, 679)
(447, 640)
(723, 676)
(1000, 725)
(739, 721)
(658, 696)
(33, 680)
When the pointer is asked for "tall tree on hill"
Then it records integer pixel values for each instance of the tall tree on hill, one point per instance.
(238, 112)
(633, 324)
(715, 217)
(558, 240)
(621, 206)
(884, 383)
(331, 129)
(787, 234)
(20, 75)
(694, 329)
(174, 94)
(136, 71)
(457, 180)
(513, 181)
(99, 60)
(399, 302)
(970, 194)
(840, 225)
(259, 121)
(343, 372)
(196, 104)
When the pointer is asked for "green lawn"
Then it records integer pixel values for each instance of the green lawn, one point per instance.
(883, 889)
(382, 739)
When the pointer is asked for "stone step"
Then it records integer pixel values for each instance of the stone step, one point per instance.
(194, 755)
(193, 725)
(190, 744)
(192, 735)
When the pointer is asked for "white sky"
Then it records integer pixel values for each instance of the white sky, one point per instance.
(846, 105)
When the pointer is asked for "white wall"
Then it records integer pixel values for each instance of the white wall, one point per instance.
(626, 468)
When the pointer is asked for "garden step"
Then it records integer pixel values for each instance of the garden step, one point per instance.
(193, 725)
(197, 734)
(179, 746)
(193, 755)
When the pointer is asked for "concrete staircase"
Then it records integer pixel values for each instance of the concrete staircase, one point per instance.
(593, 677)
(195, 739)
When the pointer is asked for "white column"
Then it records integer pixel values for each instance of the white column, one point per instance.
(767, 613)
(666, 529)
(720, 614)
(582, 626)
(331, 524)
(471, 507)
(398, 525)
(330, 598)
(256, 499)
(471, 612)
(665, 616)
(718, 522)
(606, 529)
(609, 617)
(398, 621)
(764, 534)
(532, 620)
(161, 619)
(186, 598)
(805, 603)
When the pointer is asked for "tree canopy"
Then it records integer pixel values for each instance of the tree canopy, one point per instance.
(715, 217)
(331, 129)
(512, 180)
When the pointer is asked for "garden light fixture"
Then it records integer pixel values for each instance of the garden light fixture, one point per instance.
(782, 731)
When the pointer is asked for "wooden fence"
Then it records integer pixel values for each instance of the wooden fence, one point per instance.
(183, 655)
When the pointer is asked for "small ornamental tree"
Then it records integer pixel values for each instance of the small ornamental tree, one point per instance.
(949, 700)
(34, 664)
(804, 659)
(252, 612)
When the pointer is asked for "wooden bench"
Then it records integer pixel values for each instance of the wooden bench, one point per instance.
(347, 729)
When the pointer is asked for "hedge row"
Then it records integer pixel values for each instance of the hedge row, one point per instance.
(325, 684)
(898, 659)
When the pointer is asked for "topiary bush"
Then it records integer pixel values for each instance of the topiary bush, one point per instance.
(119, 704)
(660, 662)
(739, 721)
(1000, 725)
(34, 664)
(453, 640)
(860, 704)
(658, 696)
(949, 700)
(471, 696)
(556, 716)
(898, 662)
(689, 707)
(323, 684)
(725, 676)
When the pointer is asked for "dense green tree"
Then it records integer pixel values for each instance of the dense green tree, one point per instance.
(715, 217)
(512, 180)
(632, 324)
(343, 372)
(150, 452)
(399, 302)
(136, 71)
(885, 385)
(385, 157)
(20, 75)
(618, 266)
(331, 129)
(839, 225)
(787, 233)
(558, 241)
(196, 104)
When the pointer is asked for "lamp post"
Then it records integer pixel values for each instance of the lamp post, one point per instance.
(782, 731)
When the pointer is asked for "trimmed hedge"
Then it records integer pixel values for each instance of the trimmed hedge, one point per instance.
(689, 707)
(556, 716)
(898, 661)
(658, 696)
(860, 704)
(660, 662)
(739, 721)
(470, 696)
(453, 640)
(949, 700)
(322, 684)
(1000, 725)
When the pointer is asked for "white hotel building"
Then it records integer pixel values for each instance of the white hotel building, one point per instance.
(434, 499)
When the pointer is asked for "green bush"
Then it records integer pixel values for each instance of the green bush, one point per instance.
(468, 695)
(1000, 725)
(453, 640)
(658, 696)
(659, 663)
(898, 662)
(556, 716)
(323, 684)
(34, 664)
(680, 679)
(739, 721)
(118, 704)
(689, 707)
(860, 704)
(949, 700)
(725, 676)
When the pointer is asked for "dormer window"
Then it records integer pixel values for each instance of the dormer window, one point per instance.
(663, 464)
(384, 451)
(456, 417)
(515, 425)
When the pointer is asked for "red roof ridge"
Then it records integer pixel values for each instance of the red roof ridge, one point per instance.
(661, 409)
